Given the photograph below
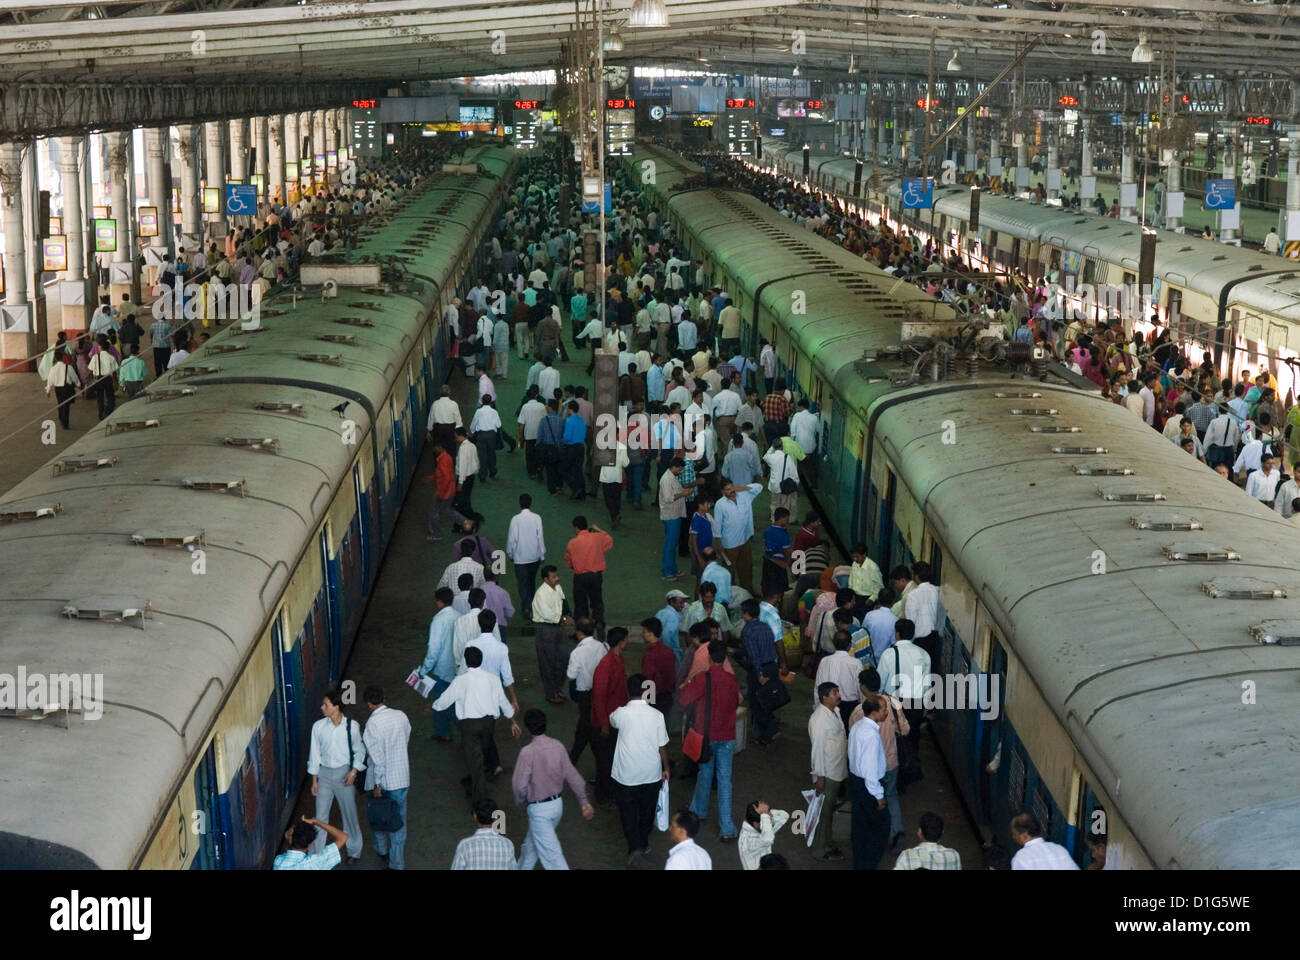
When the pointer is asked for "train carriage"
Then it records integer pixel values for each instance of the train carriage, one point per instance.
(283, 453)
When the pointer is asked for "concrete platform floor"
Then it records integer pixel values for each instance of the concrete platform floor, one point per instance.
(392, 642)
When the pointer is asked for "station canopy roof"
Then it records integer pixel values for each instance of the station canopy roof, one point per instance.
(388, 41)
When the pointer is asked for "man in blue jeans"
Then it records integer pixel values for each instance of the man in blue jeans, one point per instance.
(672, 511)
(765, 660)
(440, 659)
(718, 694)
(386, 736)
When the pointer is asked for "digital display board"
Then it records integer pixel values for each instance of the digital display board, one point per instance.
(365, 131)
(620, 129)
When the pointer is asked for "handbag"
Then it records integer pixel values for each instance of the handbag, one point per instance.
(384, 814)
(360, 782)
(773, 695)
(789, 484)
(695, 744)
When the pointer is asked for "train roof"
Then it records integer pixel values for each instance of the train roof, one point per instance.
(1143, 667)
(164, 684)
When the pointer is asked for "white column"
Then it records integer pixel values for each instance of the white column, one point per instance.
(275, 158)
(11, 182)
(1126, 177)
(1229, 169)
(1292, 188)
(214, 169)
(969, 162)
(995, 151)
(305, 144)
(191, 199)
(73, 219)
(292, 150)
(1053, 161)
(882, 138)
(259, 125)
(331, 130)
(1174, 185)
(119, 168)
(1085, 158)
(238, 151)
(156, 146)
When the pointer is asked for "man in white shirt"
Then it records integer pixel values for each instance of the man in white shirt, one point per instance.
(685, 853)
(717, 574)
(479, 698)
(386, 736)
(724, 408)
(870, 818)
(583, 660)
(805, 428)
(640, 764)
(829, 764)
(923, 609)
(467, 466)
(905, 667)
(1035, 852)
(1250, 460)
(444, 418)
(530, 417)
(783, 472)
(548, 380)
(465, 563)
(467, 629)
(526, 546)
(1262, 484)
(334, 761)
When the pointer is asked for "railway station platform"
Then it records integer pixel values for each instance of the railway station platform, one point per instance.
(392, 642)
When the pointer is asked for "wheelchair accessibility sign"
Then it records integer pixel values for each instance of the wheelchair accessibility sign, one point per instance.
(918, 193)
(1220, 194)
(241, 200)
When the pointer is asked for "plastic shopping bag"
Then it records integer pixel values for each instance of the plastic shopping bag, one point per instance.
(661, 809)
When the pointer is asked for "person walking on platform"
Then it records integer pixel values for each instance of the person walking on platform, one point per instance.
(672, 510)
(485, 428)
(585, 556)
(734, 512)
(336, 757)
(479, 698)
(608, 693)
(551, 615)
(583, 660)
(386, 736)
(441, 507)
(467, 466)
(640, 764)
(550, 446)
(62, 379)
(444, 418)
(542, 770)
(526, 548)
(870, 818)
(575, 448)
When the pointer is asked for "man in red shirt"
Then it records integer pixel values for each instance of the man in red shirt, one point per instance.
(723, 693)
(658, 665)
(585, 556)
(776, 411)
(444, 492)
(608, 693)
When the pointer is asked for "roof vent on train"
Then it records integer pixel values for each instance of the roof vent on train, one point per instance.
(224, 347)
(175, 394)
(383, 289)
(1101, 470)
(1187, 249)
(82, 464)
(169, 538)
(1200, 553)
(344, 338)
(1165, 521)
(222, 486)
(278, 406)
(355, 321)
(333, 359)
(1221, 256)
(12, 513)
(1054, 428)
(1017, 395)
(109, 609)
(1082, 451)
(1283, 633)
(1113, 495)
(1243, 588)
(268, 444)
(242, 330)
(269, 312)
(370, 305)
(183, 373)
(1034, 412)
(125, 426)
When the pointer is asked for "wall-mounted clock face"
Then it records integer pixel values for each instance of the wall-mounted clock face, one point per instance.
(617, 76)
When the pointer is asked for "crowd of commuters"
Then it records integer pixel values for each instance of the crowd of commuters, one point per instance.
(709, 430)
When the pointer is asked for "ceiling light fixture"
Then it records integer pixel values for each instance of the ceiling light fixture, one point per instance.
(1142, 52)
(796, 70)
(954, 65)
(648, 13)
(613, 42)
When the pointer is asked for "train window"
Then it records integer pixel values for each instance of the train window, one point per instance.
(1174, 304)
(993, 239)
(936, 562)
(1016, 782)
(1129, 279)
(1042, 807)
(1089, 271)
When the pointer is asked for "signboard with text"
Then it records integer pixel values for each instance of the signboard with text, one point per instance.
(54, 254)
(105, 235)
(148, 217)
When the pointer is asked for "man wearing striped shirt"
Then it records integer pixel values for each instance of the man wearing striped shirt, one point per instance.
(929, 854)
(160, 335)
(386, 735)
